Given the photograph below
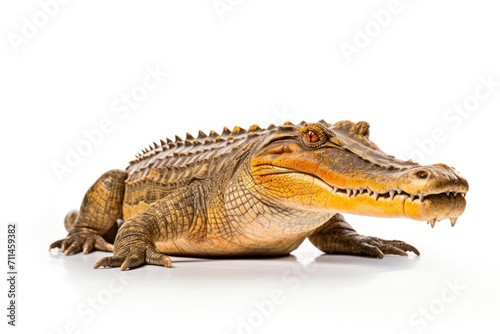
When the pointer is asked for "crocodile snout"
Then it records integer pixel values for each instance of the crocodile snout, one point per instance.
(432, 179)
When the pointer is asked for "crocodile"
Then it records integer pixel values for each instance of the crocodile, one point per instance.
(258, 193)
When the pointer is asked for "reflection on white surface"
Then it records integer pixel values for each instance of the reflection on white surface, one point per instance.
(306, 291)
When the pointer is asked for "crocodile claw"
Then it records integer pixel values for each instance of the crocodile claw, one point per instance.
(82, 242)
(380, 247)
(373, 246)
(135, 259)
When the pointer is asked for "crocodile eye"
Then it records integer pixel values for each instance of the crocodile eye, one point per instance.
(312, 137)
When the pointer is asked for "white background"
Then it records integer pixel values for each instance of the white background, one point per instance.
(258, 62)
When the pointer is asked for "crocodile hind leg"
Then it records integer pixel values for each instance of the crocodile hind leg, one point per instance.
(72, 218)
(95, 225)
(336, 236)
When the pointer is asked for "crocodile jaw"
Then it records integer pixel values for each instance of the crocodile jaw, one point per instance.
(314, 194)
(391, 204)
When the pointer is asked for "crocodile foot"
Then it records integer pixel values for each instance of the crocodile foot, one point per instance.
(376, 247)
(135, 256)
(336, 236)
(82, 241)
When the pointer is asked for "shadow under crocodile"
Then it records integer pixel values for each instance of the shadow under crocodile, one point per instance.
(312, 265)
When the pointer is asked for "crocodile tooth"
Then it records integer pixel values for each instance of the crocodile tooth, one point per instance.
(348, 192)
(421, 197)
(391, 194)
(432, 222)
(448, 193)
(354, 192)
(412, 197)
(375, 195)
(453, 221)
(335, 189)
(399, 191)
(369, 191)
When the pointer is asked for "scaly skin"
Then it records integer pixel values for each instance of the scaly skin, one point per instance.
(259, 192)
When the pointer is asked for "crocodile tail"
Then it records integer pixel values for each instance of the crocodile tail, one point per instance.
(70, 219)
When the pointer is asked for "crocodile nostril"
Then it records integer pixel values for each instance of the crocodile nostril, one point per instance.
(422, 174)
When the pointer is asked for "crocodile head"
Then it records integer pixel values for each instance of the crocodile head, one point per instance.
(336, 168)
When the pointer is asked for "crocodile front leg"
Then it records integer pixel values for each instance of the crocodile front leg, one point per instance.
(135, 245)
(336, 236)
(164, 220)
